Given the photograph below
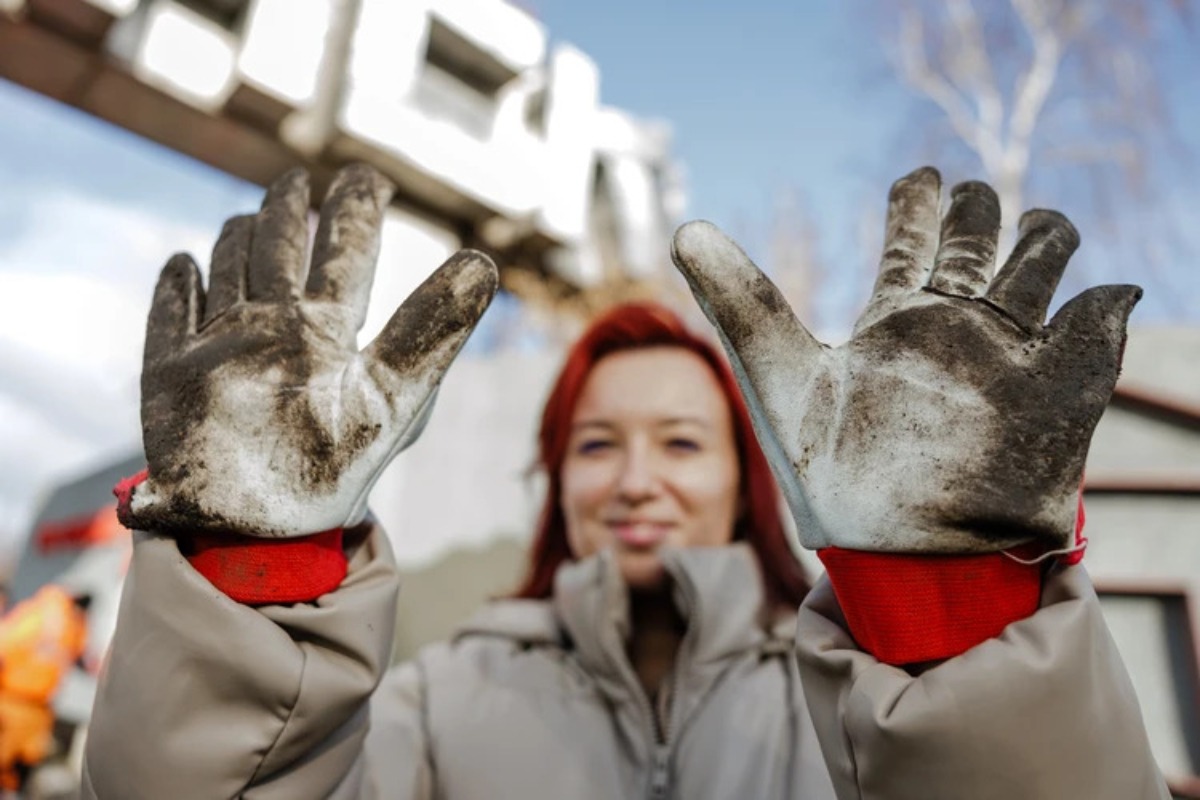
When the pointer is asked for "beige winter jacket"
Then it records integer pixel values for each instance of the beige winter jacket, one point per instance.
(205, 698)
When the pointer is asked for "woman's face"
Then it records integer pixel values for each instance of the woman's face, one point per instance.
(651, 460)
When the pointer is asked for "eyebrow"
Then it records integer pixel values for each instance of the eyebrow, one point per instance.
(686, 420)
(664, 423)
(590, 423)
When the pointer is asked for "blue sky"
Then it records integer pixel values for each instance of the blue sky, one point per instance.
(801, 99)
(775, 98)
(778, 94)
(779, 99)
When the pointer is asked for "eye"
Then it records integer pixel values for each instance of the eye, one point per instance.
(683, 444)
(592, 445)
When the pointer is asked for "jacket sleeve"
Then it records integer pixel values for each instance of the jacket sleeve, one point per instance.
(203, 697)
(1045, 711)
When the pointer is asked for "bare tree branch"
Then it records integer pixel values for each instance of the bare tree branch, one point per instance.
(1077, 82)
(1034, 85)
(971, 57)
(915, 69)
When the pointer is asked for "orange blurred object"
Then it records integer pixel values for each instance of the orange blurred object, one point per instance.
(40, 639)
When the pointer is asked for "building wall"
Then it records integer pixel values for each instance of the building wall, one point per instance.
(1144, 542)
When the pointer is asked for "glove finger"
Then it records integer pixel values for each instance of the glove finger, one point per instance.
(1089, 336)
(966, 255)
(1026, 282)
(910, 241)
(280, 242)
(771, 352)
(227, 275)
(347, 243)
(175, 310)
(743, 304)
(413, 351)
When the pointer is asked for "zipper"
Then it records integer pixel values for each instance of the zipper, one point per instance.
(660, 773)
(658, 726)
(659, 722)
(662, 712)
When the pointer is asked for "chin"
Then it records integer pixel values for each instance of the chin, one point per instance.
(642, 571)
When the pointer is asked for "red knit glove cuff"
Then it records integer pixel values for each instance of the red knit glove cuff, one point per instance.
(259, 571)
(906, 608)
(267, 571)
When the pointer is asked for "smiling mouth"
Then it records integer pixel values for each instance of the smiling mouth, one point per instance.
(638, 534)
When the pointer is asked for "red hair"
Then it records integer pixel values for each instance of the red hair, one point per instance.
(628, 327)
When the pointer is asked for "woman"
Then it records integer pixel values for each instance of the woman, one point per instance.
(650, 453)
(651, 650)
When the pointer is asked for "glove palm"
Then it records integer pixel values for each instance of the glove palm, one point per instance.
(953, 420)
(259, 413)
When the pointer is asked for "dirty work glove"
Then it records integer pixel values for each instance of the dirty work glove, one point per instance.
(260, 415)
(954, 420)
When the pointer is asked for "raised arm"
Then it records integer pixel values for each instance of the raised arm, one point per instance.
(933, 461)
(257, 617)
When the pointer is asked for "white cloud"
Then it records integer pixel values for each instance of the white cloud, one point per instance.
(118, 243)
(75, 287)
(73, 329)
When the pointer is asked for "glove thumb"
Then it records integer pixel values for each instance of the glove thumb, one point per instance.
(1090, 330)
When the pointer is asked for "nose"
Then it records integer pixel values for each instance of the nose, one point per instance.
(639, 478)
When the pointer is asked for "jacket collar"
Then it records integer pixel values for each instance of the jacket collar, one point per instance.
(718, 591)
